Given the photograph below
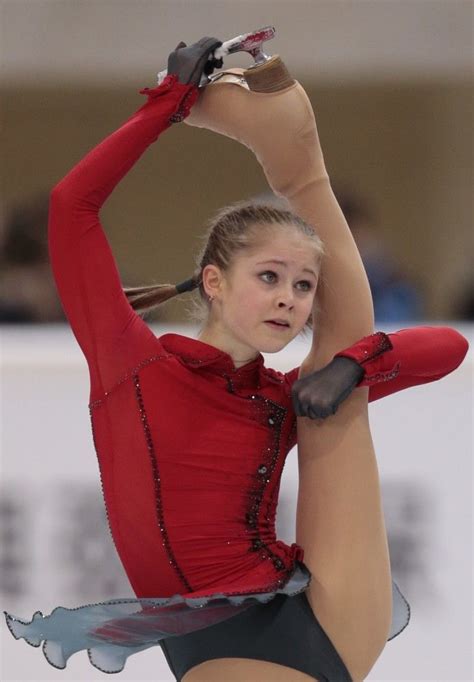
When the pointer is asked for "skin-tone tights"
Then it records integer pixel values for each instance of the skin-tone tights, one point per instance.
(340, 522)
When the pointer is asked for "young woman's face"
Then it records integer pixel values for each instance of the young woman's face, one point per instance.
(256, 290)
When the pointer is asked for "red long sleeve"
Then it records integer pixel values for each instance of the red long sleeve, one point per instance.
(419, 355)
(111, 335)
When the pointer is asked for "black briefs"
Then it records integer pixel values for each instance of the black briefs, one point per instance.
(283, 631)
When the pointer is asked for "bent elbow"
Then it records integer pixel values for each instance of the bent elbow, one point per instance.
(59, 194)
(455, 346)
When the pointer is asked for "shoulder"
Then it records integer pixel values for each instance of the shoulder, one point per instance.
(286, 379)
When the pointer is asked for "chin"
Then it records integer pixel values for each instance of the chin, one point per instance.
(274, 346)
(272, 343)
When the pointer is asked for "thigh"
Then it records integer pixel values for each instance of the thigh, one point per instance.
(340, 525)
(281, 638)
(239, 669)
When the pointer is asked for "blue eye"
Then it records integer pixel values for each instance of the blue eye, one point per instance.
(270, 272)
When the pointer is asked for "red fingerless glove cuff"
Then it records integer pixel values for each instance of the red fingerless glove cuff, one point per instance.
(371, 354)
(189, 95)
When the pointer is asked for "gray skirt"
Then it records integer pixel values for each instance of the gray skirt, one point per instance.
(277, 626)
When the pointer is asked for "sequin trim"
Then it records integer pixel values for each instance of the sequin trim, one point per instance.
(157, 483)
(383, 376)
(125, 377)
(184, 108)
(270, 413)
(168, 83)
(383, 344)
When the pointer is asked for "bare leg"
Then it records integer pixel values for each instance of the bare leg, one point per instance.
(240, 669)
(340, 524)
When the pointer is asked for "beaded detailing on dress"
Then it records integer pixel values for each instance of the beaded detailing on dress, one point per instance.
(270, 414)
(125, 377)
(156, 482)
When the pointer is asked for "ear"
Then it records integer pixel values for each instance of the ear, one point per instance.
(212, 279)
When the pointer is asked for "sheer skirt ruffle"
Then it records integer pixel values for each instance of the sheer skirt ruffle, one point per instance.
(111, 631)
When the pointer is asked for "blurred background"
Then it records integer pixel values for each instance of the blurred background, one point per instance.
(391, 85)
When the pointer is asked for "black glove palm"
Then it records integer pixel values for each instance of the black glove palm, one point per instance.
(319, 394)
(189, 63)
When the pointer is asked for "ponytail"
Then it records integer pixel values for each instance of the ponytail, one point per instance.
(147, 297)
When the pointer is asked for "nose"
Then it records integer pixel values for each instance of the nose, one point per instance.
(286, 297)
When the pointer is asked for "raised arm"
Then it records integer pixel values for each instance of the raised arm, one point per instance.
(112, 336)
(107, 329)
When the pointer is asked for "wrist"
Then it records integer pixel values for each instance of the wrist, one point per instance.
(351, 366)
(183, 95)
(373, 355)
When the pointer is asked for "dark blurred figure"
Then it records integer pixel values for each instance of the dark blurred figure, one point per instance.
(27, 288)
(396, 297)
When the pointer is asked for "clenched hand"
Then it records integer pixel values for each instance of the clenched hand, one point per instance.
(319, 394)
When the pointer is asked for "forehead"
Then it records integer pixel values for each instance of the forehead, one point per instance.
(293, 250)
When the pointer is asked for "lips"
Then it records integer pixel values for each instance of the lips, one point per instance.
(276, 323)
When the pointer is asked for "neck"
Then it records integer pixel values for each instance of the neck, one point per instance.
(240, 356)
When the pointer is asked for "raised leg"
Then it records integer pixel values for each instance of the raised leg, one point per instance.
(340, 520)
(240, 669)
(340, 524)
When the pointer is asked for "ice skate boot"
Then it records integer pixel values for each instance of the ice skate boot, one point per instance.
(268, 111)
(267, 74)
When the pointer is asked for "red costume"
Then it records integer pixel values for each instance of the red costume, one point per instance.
(190, 449)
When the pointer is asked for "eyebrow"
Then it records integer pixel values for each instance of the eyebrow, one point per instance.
(282, 262)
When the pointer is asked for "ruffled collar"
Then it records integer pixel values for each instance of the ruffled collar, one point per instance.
(197, 354)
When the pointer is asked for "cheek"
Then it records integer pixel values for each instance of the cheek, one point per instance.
(250, 302)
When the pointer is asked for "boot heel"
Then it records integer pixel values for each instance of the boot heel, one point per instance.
(271, 76)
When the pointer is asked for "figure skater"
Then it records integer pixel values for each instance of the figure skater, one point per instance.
(191, 435)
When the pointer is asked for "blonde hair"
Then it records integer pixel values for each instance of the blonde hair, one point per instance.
(237, 228)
